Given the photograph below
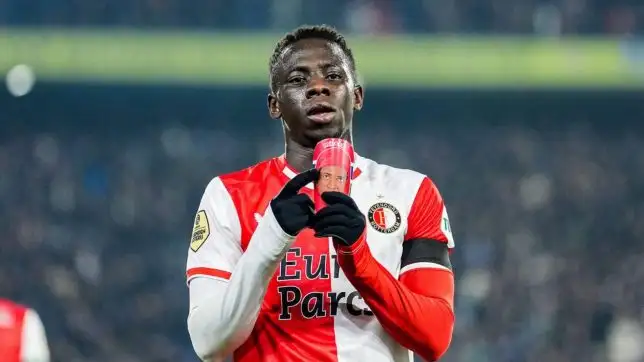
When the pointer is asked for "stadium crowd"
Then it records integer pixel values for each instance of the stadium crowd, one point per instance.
(371, 16)
(94, 225)
(94, 231)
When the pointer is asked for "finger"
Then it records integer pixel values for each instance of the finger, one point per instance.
(300, 203)
(307, 206)
(342, 223)
(335, 220)
(334, 197)
(331, 210)
(301, 199)
(300, 180)
(334, 232)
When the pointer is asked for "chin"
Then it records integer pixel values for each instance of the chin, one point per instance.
(317, 135)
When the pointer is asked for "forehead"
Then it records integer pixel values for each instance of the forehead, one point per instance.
(313, 53)
(331, 169)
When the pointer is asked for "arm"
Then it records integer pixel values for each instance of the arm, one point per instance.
(223, 312)
(417, 310)
(227, 286)
(34, 340)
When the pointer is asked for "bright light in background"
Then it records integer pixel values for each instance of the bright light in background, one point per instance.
(20, 80)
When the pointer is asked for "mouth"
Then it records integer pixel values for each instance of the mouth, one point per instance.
(321, 113)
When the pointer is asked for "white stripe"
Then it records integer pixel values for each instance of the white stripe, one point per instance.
(290, 174)
(205, 276)
(361, 338)
(422, 265)
(34, 340)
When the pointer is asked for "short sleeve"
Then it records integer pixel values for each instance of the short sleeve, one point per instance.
(215, 241)
(429, 235)
(428, 217)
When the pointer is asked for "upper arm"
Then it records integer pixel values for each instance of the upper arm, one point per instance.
(34, 339)
(215, 241)
(428, 238)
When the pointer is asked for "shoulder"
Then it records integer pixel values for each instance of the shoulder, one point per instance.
(256, 173)
(11, 313)
(8, 305)
(403, 181)
(237, 198)
(32, 321)
(243, 181)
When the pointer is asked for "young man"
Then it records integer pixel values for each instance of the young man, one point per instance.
(22, 335)
(367, 278)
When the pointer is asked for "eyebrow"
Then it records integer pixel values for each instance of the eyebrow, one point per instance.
(305, 69)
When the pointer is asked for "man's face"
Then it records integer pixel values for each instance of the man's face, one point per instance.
(315, 93)
(332, 178)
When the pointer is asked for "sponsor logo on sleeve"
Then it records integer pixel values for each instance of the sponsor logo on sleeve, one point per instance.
(446, 228)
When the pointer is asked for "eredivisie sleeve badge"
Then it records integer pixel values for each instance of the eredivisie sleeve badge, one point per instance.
(200, 232)
(384, 217)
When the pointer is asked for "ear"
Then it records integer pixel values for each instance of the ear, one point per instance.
(273, 107)
(358, 97)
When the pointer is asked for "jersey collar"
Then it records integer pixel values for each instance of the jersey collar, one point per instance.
(290, 172)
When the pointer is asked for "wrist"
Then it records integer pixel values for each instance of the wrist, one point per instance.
(275, 227)
(342, 248)
(269, 240)
(355, 258)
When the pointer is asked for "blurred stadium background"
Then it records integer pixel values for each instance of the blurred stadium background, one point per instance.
(528, 114)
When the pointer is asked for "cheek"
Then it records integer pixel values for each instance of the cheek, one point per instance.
(289, 102)
(348, 110)
(347, 96)
(294, 97)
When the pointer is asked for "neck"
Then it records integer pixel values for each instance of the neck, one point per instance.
(301, 157)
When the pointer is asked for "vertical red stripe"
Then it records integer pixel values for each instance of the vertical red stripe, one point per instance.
(11, 332)
(298, 338)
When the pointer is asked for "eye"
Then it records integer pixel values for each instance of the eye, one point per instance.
(296, 79)
(334, 76)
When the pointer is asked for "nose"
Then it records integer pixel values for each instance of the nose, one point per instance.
(318, 86)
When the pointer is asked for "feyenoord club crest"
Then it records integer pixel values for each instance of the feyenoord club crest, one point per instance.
(384, 217)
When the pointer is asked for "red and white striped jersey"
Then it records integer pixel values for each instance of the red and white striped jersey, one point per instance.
(311, 312)
(22, 336)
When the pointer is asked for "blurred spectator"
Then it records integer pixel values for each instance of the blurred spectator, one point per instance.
(444, 16)
(94, 225)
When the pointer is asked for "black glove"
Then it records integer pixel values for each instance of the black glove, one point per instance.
(293, 211)
(340, 219)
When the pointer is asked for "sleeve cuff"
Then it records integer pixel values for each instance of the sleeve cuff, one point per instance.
(351, 249)
(269, 241)
(277, 230)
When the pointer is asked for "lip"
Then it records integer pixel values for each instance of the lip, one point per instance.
(321, 113)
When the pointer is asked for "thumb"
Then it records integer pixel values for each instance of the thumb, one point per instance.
(300, 180)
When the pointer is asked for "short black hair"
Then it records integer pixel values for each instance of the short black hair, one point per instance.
(324, 32)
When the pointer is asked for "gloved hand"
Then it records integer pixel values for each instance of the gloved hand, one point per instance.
(292, 210)
(340, 219)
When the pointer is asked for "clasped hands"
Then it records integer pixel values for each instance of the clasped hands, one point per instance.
(340, 218)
